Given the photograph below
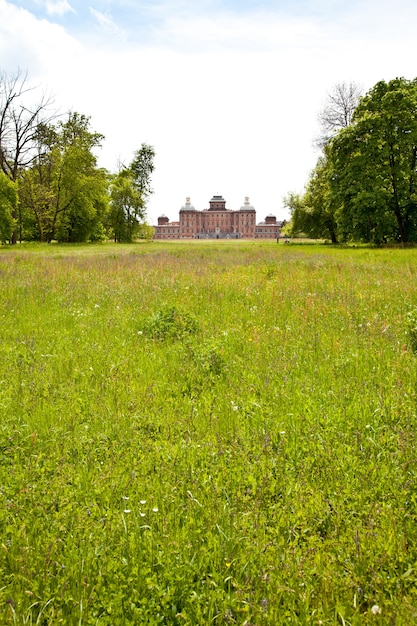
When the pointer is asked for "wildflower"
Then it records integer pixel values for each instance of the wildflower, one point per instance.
(376, 610)
(155, 509)
(125, 497)
(127, 511)
(140, 332)
(142, 514)
(143, 501)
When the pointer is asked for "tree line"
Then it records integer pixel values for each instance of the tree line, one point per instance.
(51, 187)
(364, 185)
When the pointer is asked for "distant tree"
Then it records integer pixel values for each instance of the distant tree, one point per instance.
(129, 192)
(141, 169)
(127, 207)
(374, 163)
(145, 231)
(338, 111)
(294, 202)
(8, 207)
(19, 120)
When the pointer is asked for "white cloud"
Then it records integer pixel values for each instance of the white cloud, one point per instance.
(227, 32)
(35, 45)
(107, 23)
(58, 7)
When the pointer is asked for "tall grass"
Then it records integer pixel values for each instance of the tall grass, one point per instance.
(222, 433)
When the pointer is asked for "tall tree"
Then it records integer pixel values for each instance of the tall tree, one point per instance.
(142, 168)
(64, 189)
(127, 207)
(313, 213)
(8, 207)
(20, 115)
(374, 165)
(130, 189)
(338, 111)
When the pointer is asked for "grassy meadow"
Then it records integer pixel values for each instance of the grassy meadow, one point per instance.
(207, 433)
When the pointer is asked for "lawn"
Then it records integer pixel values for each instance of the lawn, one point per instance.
(207, 433)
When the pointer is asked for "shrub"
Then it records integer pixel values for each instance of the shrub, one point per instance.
(170, 322)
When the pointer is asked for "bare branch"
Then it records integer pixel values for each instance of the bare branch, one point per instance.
(337, 112)
(19, 122)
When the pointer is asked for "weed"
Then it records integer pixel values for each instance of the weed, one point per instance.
(411, 329)
(170, 322)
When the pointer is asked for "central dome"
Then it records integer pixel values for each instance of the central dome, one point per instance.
(247, 206)
(187, 206)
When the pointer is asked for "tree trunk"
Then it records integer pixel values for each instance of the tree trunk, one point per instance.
(14, 233)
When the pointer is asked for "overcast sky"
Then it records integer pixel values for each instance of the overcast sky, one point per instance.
(227, 91)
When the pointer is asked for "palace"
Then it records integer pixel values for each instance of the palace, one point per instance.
(217, 222)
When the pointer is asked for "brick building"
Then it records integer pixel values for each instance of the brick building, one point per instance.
(217, 222)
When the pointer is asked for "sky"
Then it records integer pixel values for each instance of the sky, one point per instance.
(226, 91)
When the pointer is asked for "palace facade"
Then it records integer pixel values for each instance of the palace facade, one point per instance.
(217, 222)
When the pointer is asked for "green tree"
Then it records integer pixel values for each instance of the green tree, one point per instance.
(127, 207)
(8, 207)
(141, 169)
(374, 166)
(145, 231)
(129, 192)
(313, 213)
(20, 116)
(297, 225)
(64, 190)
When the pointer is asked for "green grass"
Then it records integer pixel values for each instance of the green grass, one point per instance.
(221, 433)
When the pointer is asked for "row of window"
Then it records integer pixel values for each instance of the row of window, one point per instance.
(172, 231)
(176, 235)
(227, 218)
